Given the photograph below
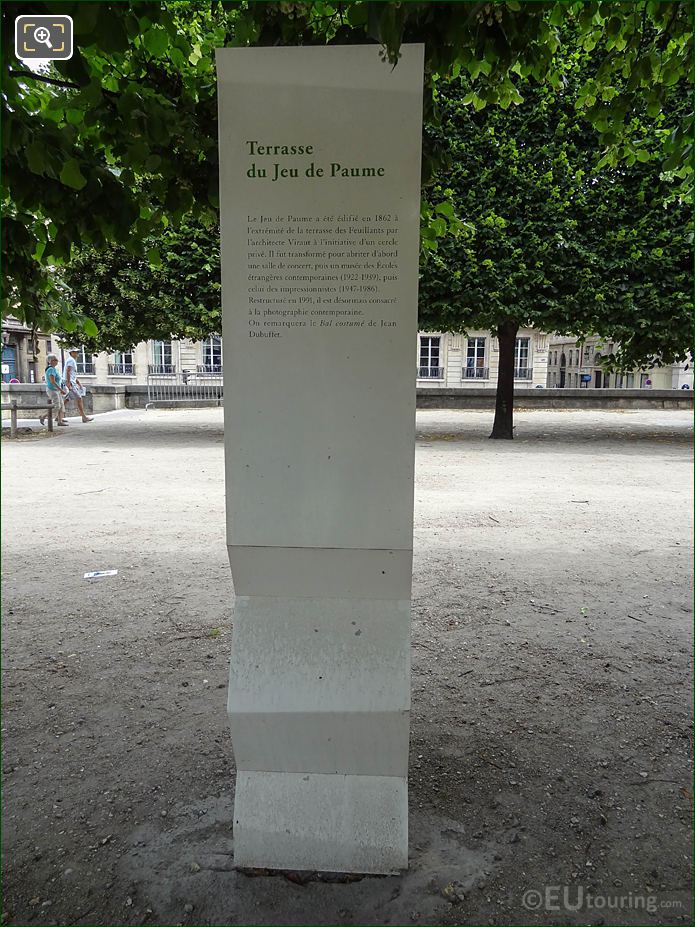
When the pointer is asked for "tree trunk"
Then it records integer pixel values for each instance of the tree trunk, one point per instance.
(503, 426)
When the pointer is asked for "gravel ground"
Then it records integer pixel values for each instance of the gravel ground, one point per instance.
(551, 679)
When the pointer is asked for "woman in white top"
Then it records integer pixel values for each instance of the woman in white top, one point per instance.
(75, 389)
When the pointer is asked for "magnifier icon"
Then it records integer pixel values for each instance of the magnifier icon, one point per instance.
(43, 35)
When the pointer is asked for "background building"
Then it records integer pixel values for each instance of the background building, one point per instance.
(152, 357)
(575, 366)
(24, 362)
(442, 359)
(22, 356)
(472, 360)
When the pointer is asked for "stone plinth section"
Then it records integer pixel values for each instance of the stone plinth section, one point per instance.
(320, 192)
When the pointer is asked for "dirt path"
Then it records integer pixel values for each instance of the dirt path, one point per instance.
(551, 679)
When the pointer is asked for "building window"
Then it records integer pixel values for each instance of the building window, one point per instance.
(430, 357)
(161, 358)
(571, 358)
(122, 364)
(85, 362)
(212, 354)
(522, 363)
(475, 368)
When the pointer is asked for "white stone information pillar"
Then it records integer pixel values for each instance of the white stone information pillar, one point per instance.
(320, 202)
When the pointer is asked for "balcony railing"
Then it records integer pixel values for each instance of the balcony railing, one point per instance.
(123, 370)
(430, 373)
(475, 373)
(154, 369)
(523, 373)
(85, 369)
(209, 368)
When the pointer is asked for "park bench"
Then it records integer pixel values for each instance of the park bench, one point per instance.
(13, 406)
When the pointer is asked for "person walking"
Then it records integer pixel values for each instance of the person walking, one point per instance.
(55, 390)
(75, 389)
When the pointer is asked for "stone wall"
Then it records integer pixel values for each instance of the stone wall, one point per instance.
(31, 395)
(107, 398)
(478, 399)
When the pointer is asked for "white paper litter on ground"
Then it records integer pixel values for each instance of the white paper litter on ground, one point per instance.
(97, 574)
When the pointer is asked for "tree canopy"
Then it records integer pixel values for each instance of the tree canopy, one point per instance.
(555, 246)
(119, 140)
(176, 292)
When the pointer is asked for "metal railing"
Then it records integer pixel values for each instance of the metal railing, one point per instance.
(85, 368)
(430, 373)
(159, 369)
(209, 368)
(188, 386)
(127, 370)
(475, 373)
(523, 373)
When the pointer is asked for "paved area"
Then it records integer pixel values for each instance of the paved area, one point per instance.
(551, 679)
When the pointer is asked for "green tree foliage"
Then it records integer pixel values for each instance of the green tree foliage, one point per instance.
(109, 144)
(643, 48)
(557, 247)
(172, 290)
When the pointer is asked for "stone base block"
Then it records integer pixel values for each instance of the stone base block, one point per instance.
(362, 743)
(308, 654)
(319, 702)
(313, 821)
